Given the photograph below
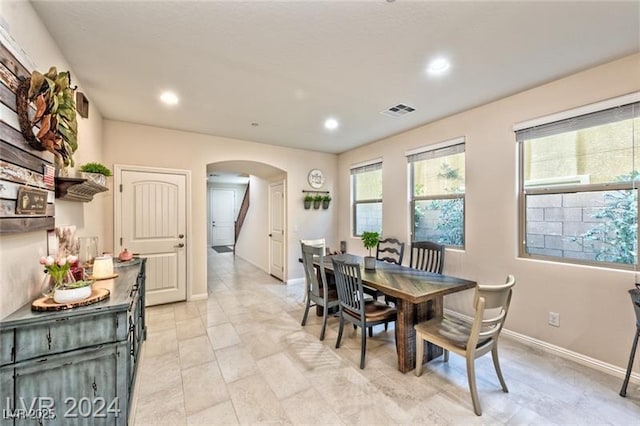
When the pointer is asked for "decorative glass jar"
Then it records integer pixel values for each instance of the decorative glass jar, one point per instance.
(51, 282)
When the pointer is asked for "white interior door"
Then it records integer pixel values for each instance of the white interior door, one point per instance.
(276, 230)
(223, 214)
(152, 223)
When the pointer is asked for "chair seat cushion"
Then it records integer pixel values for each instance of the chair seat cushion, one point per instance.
(375, 311)
(455, 330)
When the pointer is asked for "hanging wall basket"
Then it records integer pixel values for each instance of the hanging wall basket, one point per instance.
(51, 96)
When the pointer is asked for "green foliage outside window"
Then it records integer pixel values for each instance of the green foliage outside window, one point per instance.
(450, 223)
(618, 233)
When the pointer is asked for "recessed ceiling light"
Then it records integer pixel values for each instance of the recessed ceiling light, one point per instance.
(331, 124)
(438, 66)
(169, 98)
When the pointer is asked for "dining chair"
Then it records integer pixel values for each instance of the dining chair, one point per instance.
(317, 290)
(470, 339)
(390, 250)
(427, 256)
(352, 304)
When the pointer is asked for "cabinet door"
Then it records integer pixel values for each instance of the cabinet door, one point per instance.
(85, 387)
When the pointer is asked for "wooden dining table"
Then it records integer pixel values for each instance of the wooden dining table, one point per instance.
(419, 297)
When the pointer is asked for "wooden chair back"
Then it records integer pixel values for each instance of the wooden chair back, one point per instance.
(350, 289)
(427, 256)
(311, 254)
(390, 250)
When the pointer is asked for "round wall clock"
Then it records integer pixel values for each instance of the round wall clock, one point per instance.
(316, 178)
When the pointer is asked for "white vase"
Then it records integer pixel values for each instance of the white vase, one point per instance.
(369, 262)
(72, 295)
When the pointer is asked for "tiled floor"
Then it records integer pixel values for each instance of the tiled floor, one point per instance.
(241, 357)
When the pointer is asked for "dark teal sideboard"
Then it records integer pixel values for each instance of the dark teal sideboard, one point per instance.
(76, 366)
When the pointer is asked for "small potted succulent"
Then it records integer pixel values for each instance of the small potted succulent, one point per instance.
(370, 240)
(73, 292)
(95, 172)
(326, 199)
(317, 201)
(308, 199)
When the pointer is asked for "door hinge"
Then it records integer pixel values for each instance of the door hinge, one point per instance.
(120, 187)
(120, 241)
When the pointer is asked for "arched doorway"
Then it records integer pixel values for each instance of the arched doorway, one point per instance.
(261, 239)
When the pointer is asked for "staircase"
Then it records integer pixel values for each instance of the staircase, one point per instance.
(242, 214)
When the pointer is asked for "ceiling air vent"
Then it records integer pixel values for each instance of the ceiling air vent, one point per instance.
(397, 110)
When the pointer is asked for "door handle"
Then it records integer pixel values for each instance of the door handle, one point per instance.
(269, 235)
(179, 245)
(180, 235)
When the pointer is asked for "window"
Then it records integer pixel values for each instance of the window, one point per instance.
(366, 181)
(437, 193)
(579, 187)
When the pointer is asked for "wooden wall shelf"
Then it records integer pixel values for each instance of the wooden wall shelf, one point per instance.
(77, 189)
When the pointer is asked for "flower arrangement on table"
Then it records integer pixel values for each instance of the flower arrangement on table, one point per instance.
(59, 268)
(59, 277)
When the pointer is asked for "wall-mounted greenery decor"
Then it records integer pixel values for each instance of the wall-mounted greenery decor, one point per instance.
(52, 97)
(316, 199)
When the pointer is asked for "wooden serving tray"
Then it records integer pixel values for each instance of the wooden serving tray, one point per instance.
(48, 304)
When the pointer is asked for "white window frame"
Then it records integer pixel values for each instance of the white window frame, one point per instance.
(411, 159)
(569, 185)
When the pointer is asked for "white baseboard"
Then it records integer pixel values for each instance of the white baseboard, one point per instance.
(295, 281)
(199, 296)
(576, 357)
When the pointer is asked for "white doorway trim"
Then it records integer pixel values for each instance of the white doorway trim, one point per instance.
(117, 223)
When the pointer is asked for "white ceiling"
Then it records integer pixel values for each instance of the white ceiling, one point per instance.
(290, 65)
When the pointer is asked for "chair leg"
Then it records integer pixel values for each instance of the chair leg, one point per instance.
(363, 349)
(324, 322)
(306, 311)
(634, 346)
(419, 354)
(496, 364)
(340, 331)
(371, 331)
(471, 376)
(445, 355)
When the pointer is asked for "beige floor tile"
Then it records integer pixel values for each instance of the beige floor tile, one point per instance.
(161, 405)
(188, 310)
(203, 387)
(221, 414)
(195, 351)
(161, 342)
(223, 335)
(189, 328)
(282, 375)
(309, 407)
(235, 362)
(255, 402)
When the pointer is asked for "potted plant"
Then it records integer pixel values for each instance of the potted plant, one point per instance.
(95, 172)
(317, 201)
(326, 199)
(308, 199)
(73, 292)
(370, 240)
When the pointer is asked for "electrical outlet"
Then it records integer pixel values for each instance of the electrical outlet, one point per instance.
(554, 319)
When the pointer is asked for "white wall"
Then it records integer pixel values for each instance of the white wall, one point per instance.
(20, 272)
(597, 319)
(253, 242)
(135, 144)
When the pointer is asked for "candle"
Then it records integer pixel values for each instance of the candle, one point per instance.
(102, 267)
